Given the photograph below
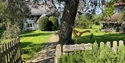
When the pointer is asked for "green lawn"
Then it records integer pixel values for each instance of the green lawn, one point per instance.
(99, 36)
(32, 42)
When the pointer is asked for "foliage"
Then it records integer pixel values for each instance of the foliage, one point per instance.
(44, 24)
(123, 28)
(54, 21)
(2, 9)
(96, 19)
(84, 21)
(108, 9)
(121, 17)
(98, 36)
(33, 42)
(10, 19)
(98, 55)
(2, 28)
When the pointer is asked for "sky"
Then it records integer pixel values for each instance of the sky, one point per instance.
(88, 5)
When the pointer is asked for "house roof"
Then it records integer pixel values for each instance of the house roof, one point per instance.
(119, 4)
(114, 17)
(41, 8)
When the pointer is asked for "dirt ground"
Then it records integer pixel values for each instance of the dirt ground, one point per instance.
(46, 55)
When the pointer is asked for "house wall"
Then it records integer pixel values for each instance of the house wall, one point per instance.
(119, 9)
(30, 23)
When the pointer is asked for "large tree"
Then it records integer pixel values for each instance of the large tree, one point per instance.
(67, 21)
(69, 15)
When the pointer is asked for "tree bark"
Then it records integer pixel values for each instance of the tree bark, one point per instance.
(67, 21)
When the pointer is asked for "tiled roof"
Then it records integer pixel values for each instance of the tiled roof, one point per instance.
(114, 17)
(119, 4)
(42, 8)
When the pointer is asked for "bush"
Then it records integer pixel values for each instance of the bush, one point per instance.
(54, 21)
(123, 28)
(97, 55)
(83, 22)
(44, 24)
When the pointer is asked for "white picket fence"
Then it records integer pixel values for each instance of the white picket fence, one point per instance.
(77, 47)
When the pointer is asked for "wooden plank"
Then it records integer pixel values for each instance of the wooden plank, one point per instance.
(76, 47)
(101, 44)
(121, 43)
(6, 54)
(87, 46)
(114, 48)
(58, 52)
(108, 44)
(20, 57)
(12, 52)
(9, 55)
(0, 55)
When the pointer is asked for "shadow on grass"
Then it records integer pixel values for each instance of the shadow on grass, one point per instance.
(28, 49)
(102, 38)
(34, 34)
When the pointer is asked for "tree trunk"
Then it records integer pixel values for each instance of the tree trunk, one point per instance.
(68, 18)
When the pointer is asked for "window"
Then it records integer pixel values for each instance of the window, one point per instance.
(29, 25)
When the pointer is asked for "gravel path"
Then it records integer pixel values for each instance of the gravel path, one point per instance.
(46, 55)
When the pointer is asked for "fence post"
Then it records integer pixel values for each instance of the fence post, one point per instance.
(114, 48)
(0, 55)
(58, 53)
(18, 39)
(101, 44)
(121, 43)
(108, 44)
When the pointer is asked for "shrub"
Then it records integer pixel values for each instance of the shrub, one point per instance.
(54, 21)
(83, 22)
(97, 55)
(44, 24)
(2, 29)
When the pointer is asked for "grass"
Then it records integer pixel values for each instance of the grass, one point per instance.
(32, 42)
(99, 36)
(2, 41)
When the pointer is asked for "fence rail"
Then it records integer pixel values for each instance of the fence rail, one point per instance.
(76, 47)
(10, 52)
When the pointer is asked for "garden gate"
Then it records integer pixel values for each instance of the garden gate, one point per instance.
(10, 52)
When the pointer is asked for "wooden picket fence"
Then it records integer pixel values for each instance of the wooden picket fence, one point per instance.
(10, 52)
(77, 47)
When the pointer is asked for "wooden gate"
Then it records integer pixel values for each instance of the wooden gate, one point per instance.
(10, 52)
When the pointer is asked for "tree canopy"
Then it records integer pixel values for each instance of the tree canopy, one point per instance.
(10, 18)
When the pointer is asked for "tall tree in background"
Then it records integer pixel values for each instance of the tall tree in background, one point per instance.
(12, 19)
(108, 9)
(2, 9)
(12, 16)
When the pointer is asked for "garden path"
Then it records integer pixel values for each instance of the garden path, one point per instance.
(46, 55)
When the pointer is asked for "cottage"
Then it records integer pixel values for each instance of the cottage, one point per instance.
(113, 24)
(37, 9)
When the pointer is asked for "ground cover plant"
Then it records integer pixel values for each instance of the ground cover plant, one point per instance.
(96, 55)
(99, 36)
(32, 42)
